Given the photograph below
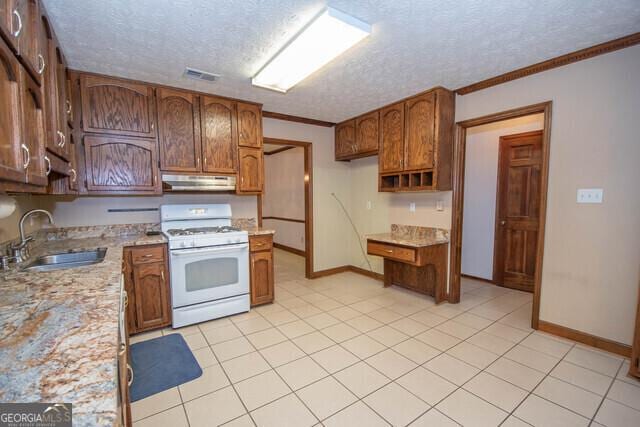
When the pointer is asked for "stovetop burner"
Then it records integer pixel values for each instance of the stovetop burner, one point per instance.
(201, 230)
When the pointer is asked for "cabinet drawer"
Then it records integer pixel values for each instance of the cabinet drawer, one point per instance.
(391, 251)
(260, 243)
(147, 254)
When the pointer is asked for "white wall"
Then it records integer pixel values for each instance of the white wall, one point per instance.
(24, 203)
(480, 188)
(591, 270)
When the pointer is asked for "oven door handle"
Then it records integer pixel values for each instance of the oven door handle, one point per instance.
(203, 251)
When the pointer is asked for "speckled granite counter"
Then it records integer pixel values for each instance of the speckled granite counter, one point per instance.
(59, 329)
(410, 235)
(250, 225)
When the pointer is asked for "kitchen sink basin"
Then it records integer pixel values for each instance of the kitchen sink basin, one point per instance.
(64, 260)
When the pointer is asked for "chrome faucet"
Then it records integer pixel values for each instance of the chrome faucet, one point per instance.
(18, 251)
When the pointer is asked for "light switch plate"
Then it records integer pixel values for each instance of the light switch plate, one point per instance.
(590, 195)
(369, 205)
(412, 207)
(439, 205)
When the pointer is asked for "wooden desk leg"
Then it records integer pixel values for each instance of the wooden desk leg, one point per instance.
(440, 291)
(388, 272)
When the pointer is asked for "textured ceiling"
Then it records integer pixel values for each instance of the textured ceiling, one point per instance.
(414, 45)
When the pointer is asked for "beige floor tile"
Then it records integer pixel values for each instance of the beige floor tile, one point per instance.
(451, 369)
(355, 415)
(531, 358)
(391, 364)
(195, 341)
(502, 394)
(340, 332)
(515, 422)
(261, 389)
(301, 372)
(296, 329)
(385, 315)
(229, 349)
(456, 329)
(294, 302)
(313, 342)
(242, 421)
(569, 396)
(174, 417)
(582, 377)
(406, 309)
(614, 414)
(326, 397)
(145, 336)
(396, 405)
(491, 343)
(221, 334)
(446, 310)
(314, 297)
(272, 415)
(365, 306)
(253, 325)
(516, 373)
(214, 408)
(547, 345)
(426, 385)
(156, 403)
(628, 394)
(242, 317)
(387, 336)
(363, 346)
(344, 313)
(416, 351)
(506, 332)
(594, 360)
(245, 366)
(281, 317)
(269, 308)
(409, 326)
(266, 338)
(540, 412)
(322, 320)
(184, 331)
(434, 418)
(487, 312)
(469, 410)
(361, 379)
(205, 357)
(305, 311)
(327, 304)
(623, 374)
(282, 353)
(334, 359)
(213, 378)
(364, 323)
(473, 355)
(428, 318)
(473, 321)
(437, 339)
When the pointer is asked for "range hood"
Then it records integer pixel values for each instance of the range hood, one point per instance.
(198, 183)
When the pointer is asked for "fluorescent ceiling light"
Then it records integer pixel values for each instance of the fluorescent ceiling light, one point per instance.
(324, 38)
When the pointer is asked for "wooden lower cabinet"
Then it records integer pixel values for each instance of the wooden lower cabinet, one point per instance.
(147, 283)
(261, 269)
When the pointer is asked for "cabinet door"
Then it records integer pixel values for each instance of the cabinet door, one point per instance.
(419, 131)
(33, 130)
(8, 21)
(12, 157)
(391, 154)
(121, 164)
(73, 167)
(117, 107)
(54, 138)
(151, 295)
(261, 277)
(219, 135)
(251, 170)
(345, 139)
(28, 37)
(249, 125)
(367, 133)
(61, 75)
(179, 131)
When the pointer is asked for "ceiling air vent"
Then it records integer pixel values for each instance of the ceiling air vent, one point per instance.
(192, 73)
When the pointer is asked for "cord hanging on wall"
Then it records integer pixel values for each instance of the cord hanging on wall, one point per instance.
(364, 255)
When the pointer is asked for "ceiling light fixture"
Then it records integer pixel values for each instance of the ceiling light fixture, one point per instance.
(327, 36)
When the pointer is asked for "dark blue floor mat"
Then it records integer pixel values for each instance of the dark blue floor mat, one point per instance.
(160, 364)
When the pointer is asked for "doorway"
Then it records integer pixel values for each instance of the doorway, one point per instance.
(287, 202)
(520, 190)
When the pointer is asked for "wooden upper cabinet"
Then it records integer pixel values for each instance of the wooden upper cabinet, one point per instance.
(391, 153)
(219, 135)
(61, 75)
(251, 171)
(118, 107)
(367, 133)
(8, 22)
(118, 164)
(33, 130)
(179, 130)
(249, 125)
(12, 156)
(345, 139)
(419, 131)
(27, 24)
(72, 180)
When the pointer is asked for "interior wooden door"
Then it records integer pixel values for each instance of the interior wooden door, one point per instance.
(251, 170)
(249, 125)
(367, 133)
(391, 154)
(179, 130)
(219, 135)
(345, 139)
(419, 132)
(261, 277)
(33, 130)
(517, 210)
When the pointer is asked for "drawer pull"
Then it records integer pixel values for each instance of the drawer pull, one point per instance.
(19, 30)
(162, 275)
(389, 251)
(147, 256)
(123, 348)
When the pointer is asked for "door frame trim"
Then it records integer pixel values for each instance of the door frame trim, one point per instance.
(458, 196)
(308, 198)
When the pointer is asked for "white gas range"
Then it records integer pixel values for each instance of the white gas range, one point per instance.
(209, 262)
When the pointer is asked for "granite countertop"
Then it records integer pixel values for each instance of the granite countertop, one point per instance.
(258, 231)
(414, 236)
(59, 329)
(250, 225)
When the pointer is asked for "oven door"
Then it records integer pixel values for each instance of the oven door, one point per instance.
(208, 274)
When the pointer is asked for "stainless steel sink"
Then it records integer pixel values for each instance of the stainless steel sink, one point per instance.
(64, 260)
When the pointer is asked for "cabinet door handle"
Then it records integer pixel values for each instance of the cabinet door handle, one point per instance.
(60, 138)
(130, 372)
(25, 165)
(46, 159)
(389, 251)
(68, 106)
(19, 30)
(75, 175)
(162, 275)
(123, 348)
(41, 63)
(126, 299)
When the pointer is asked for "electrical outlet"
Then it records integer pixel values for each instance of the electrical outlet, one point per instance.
(589, 195)
(439, 205)
(412, 207)
(368, 205)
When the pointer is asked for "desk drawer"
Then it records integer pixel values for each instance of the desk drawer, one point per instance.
(391, 251)
(145, 254)
(260, 242)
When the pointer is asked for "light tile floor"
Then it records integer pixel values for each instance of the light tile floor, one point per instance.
(344, 351)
